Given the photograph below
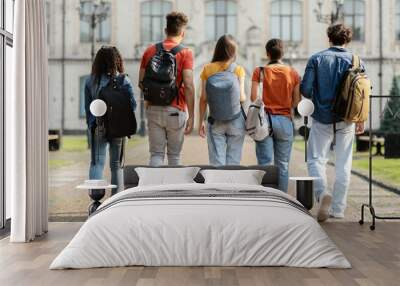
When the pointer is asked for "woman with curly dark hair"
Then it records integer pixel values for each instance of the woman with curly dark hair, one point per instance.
(107, 65)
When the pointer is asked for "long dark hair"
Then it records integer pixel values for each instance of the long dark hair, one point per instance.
(109, 61)
(225, 49)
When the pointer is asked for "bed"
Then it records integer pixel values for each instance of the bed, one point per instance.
(197, 224)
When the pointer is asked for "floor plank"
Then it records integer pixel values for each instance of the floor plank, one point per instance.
(375, 257)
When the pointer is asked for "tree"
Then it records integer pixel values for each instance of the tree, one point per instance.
(390, 123)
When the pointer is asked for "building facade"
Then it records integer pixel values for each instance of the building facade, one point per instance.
(132, 25)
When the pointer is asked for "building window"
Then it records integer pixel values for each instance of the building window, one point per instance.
(398, 20)
(103, 22)
(82, 81)
(9, 11)
(153, 20)
(354, 14)
(221, 18)
(286, 21)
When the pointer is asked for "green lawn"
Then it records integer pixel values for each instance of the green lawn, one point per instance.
(386, 170)
(74, 143)
(72, 149)
(298, 143)
(58, 163)
(78, 143)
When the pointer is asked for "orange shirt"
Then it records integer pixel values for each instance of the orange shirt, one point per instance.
(279, 83)
(184, 60)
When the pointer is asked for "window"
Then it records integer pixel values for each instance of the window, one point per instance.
(398, 20)
(354, 14)
(6, 44)
(286, 20)
(102, 14)
(220, 18)
(9, 19)
(153, 20)
(82, 81)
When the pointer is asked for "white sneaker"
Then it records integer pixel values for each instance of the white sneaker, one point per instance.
(324, 205)
(336, 215)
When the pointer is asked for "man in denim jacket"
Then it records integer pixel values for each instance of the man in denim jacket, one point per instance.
(324, 73)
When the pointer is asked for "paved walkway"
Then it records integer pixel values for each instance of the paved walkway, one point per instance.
(67, 203)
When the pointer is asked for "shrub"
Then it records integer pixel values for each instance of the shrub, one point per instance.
(390, 122)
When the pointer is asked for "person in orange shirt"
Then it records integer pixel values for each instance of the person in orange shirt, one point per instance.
(281, 93)
(166, 79)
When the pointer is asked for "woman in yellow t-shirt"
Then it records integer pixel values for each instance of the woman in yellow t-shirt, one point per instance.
(225, 137)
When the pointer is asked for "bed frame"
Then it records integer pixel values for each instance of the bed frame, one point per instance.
(270, 179)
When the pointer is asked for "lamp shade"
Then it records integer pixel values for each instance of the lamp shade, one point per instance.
(98, 107)
(305, 107)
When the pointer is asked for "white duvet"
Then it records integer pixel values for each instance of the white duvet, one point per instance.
(202, 231)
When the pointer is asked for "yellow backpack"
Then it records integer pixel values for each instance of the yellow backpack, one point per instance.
(352, 100)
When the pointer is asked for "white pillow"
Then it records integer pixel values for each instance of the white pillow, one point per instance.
(247, 177)
(166, 176)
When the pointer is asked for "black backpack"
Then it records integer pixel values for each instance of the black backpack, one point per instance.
(119, 120)
(159, 82)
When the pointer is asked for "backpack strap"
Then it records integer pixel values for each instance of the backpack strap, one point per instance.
(177, 49)
(121, 79)
(159, 47)
(261, 78)
(261, 81)
(356, 62)
(232, 67)
(262, 75)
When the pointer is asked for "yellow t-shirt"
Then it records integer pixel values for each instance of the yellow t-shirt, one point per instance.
(213, 68)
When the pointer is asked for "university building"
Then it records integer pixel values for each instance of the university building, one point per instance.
(132, 25)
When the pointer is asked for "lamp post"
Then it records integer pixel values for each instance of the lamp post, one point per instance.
(94, 13)
(306, 109)
(97, 108)
(142, 129)
(292, 48)
(334, 16)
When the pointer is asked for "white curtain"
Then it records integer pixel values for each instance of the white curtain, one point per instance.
(26, 124)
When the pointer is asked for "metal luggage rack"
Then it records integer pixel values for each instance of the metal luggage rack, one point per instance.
(370, 205)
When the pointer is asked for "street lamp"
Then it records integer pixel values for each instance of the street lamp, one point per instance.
(334, 16)
(94, 13)
(142, 128)
(292, 50)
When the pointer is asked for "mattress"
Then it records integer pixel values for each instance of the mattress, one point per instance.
(201, 225)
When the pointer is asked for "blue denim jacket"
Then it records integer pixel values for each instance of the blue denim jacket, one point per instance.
(92, 91)
(322, 77)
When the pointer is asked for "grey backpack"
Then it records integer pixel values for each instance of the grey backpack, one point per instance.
(258, 121)
(223, 94)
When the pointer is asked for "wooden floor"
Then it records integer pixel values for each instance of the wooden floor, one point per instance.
(375, 257)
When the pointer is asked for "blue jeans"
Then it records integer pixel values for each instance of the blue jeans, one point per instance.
(319, 143)
(277, 148)
(99, 148)
(225, 141)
